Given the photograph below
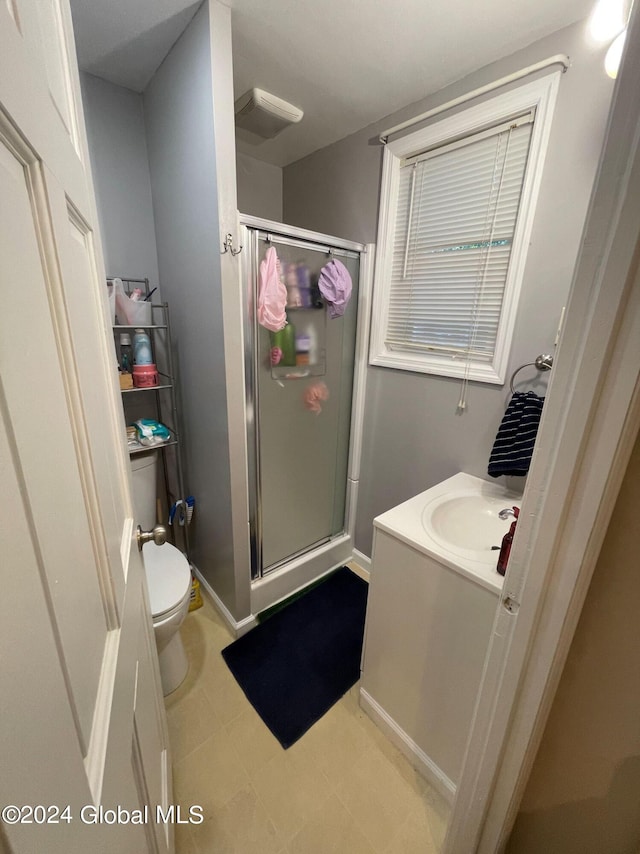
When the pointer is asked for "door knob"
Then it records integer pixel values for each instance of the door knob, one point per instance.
(157, 534)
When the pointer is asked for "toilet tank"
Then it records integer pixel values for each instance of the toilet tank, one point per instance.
(144, 474)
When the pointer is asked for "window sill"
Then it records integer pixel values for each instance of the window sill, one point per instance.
(438, 366)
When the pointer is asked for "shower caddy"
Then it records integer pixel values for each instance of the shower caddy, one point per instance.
(165, 406)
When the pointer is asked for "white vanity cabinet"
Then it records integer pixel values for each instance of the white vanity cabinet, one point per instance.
(427, 632)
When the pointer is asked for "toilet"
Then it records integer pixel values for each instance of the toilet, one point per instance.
(168, 577)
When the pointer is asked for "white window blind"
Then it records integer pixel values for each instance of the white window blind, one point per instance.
(455, 221)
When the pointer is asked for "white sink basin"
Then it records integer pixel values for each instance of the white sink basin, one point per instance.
(456, 522)
(467, 522)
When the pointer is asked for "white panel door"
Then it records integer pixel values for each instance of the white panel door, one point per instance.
(76, 641)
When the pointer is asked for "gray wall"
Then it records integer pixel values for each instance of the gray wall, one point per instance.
(120, 167)
(583, 794)
(178, 106)
(259, 188)
(412, 438)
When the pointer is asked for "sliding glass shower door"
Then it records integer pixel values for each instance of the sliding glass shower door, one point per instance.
(301, 384)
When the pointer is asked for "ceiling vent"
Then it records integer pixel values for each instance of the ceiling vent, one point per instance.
(264, 115)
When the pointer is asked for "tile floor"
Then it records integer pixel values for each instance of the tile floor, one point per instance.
(342, 788)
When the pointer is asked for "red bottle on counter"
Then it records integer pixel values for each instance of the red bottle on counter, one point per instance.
(505, 548)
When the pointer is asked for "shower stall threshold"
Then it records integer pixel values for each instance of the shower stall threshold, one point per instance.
(299, 571)
(296, 555)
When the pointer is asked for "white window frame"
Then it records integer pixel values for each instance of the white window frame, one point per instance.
(539, 95)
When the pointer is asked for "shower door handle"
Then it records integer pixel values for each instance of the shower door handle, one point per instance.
(157, 534)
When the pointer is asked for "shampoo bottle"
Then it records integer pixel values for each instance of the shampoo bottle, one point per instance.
(285, 340)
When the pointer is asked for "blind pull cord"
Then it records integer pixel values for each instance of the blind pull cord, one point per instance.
(409, 221)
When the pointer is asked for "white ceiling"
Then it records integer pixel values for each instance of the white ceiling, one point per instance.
(346, 64)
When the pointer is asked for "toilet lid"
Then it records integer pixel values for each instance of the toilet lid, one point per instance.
(168, 576)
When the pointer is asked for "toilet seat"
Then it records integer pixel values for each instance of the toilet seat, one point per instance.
(168, 578)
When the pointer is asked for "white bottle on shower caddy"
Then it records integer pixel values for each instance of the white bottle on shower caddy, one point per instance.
(312, 335)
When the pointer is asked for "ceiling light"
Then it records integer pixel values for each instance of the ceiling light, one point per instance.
(607, 19)
(614, 55)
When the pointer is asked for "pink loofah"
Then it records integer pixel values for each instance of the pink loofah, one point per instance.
(276, 356)
(313, 395)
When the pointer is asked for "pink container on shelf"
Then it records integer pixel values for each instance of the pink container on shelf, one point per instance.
(145, 376)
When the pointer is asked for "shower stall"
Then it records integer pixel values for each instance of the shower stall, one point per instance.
(302, 463)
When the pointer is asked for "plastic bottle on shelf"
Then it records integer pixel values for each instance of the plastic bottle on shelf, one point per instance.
(307, 345)
(142, 348)
(313, 344)
(126, 353)
(304, 284)
(291, 282)
(285, 341)
(303, 345)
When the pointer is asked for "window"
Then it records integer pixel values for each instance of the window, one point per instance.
(456, 215)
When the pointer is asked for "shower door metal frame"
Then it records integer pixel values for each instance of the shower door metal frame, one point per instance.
(254, 229)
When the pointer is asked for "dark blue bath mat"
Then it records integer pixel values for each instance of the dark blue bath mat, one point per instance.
(299, 662)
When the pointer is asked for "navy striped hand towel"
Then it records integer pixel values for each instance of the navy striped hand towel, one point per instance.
(513, 447)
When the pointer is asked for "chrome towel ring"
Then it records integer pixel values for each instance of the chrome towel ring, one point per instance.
(543, 362)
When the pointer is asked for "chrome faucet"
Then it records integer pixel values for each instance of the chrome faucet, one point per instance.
(508, 511)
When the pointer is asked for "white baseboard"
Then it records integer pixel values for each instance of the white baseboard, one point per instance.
(416, 756)
(237, 627)
(363, 563)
